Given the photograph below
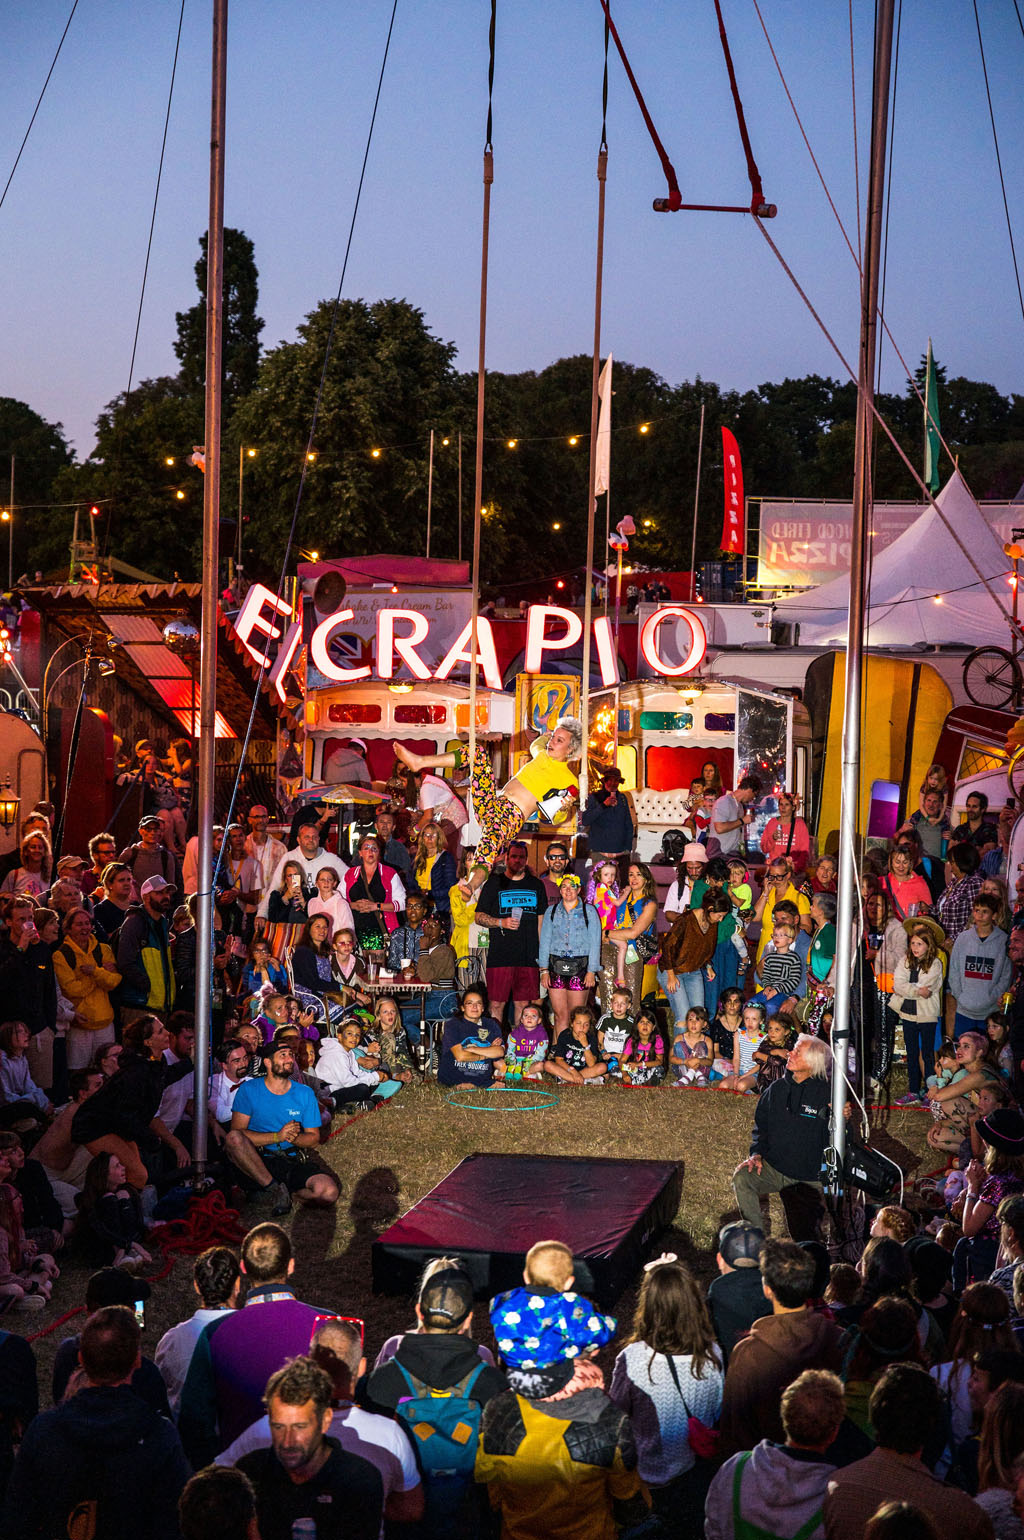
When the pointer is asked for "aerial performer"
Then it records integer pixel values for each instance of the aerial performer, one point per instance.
(545, 782)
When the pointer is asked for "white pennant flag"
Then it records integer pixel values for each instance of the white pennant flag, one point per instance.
(603, 476)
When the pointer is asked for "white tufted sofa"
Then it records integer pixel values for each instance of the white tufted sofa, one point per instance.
(657, 811)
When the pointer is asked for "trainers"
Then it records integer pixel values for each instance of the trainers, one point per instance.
(910, 1099)
(281, 1198)
(30, 1302)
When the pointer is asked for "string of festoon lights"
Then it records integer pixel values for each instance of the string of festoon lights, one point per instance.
(512, 441)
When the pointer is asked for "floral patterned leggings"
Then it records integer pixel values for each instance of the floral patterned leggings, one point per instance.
(499, 817)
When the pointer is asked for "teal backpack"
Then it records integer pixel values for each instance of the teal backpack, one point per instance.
(444, 1426)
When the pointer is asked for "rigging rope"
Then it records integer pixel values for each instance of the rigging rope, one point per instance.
(145, 272)
(265, 660)
(39, 103)
(478, 466)
(999, 158)
(885, 426)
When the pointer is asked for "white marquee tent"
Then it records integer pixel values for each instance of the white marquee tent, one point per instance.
(922, 563)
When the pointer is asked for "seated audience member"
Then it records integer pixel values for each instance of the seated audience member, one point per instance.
(275, 1128)
(110, 1228)
(439, 1360)
(735, 1298)
(63, 1161)
(778, 1348)
(217, 1504)
(885, 1334)
(217, 1280)
(337, 1347)
(788, 1143)
(121, 1118)
(234, 1061)
(999, 1175)
(236, 1353)
(992, 1367)
(26, 1275)
(472, 1050)
(981, 1324)
(643, 1058)
(289, 1037)
(669, 1372)
(16, 1083)
(103, 1456)
(306, 1474)
(1001, 1450)
(20, 1398)
(556, 1455)
(350, 1075)
(905, 1411)
(779, 1488)
(110, 1286)
(41, 1213)
(576, 1054)
(286, 902)
(263, 971)
(527, 1046)
(389, 1034)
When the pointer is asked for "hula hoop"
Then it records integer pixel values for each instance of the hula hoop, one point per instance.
(547, 1099)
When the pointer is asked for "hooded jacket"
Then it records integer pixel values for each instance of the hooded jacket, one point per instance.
(107, 1455)
(144, 961)
(762, 1364)
(439, 1359)
(780, 1490)
(89, 993)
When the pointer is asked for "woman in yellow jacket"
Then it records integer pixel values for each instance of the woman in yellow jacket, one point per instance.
(466, 934)
(86, 974)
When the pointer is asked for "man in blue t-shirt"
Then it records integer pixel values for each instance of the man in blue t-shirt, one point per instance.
(275, 1127)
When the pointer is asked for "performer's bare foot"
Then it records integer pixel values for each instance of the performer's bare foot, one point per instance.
(412, 761)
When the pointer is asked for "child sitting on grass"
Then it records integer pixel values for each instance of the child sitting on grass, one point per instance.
(643, 1058)
(614, 1028)
(692, 1050)
(576, 1057)
(351, 1073)
(110, 1224)
(771, 1053)
(746, 1043)
(527, 1046)
(545, 1321)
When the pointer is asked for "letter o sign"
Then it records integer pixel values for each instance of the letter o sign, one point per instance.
(649, 642)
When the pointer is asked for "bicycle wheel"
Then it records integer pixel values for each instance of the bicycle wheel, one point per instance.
(992, 677)
(1015, 776)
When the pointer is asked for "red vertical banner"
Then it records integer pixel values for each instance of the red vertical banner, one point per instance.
(732, 522)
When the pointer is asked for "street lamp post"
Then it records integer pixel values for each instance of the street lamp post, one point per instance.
(242, 453)
(10, 532)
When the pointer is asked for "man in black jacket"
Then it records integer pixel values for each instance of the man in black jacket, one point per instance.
(102, 1462)
(791, 1134)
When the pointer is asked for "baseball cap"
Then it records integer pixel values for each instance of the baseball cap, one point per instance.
(113, 1286)
(739, 1244)
(446, 1299)
(66, 863)
(149, 821)
(155, 885)
(143, 745)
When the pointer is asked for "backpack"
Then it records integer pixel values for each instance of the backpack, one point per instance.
(96, 956)
(743, 1529)
(444, 1426)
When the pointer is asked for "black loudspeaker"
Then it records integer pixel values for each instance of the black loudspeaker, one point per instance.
(329, 593)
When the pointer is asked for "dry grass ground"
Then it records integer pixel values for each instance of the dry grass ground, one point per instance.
(388, 1159)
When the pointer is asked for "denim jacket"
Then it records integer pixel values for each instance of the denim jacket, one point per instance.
(571, 933)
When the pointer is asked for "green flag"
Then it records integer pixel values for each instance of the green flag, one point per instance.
(931, 425)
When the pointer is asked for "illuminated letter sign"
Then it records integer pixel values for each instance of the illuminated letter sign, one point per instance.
(250, 618)
(649, 642)
(537, 644)
(486, 656)
(388, 643)
(609, 663)
(320, 650)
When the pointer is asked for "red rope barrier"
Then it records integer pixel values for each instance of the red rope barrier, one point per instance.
(45, 1331)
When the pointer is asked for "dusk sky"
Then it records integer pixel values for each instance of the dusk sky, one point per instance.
(685, 294)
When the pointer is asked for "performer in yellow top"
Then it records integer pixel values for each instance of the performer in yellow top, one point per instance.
(545, 782)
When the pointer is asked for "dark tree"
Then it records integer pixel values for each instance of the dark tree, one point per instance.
(242, 326)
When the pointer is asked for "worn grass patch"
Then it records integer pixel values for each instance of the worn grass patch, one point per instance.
(387, 1160)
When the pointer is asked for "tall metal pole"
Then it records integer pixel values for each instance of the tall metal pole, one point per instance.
(208, 640)
(847, 938)
(241, 473)
(588, 576)
(430, 489)
(460, 494)
(696, 504)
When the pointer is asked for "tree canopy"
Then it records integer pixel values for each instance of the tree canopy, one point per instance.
(389, 381)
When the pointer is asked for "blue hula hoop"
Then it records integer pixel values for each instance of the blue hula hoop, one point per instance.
(547, 1101)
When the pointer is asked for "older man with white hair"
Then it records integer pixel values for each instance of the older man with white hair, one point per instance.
(791, 1134)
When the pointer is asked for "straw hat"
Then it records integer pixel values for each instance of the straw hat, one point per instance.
(937, 933)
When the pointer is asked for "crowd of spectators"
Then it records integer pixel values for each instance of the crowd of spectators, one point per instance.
(790, 1397)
